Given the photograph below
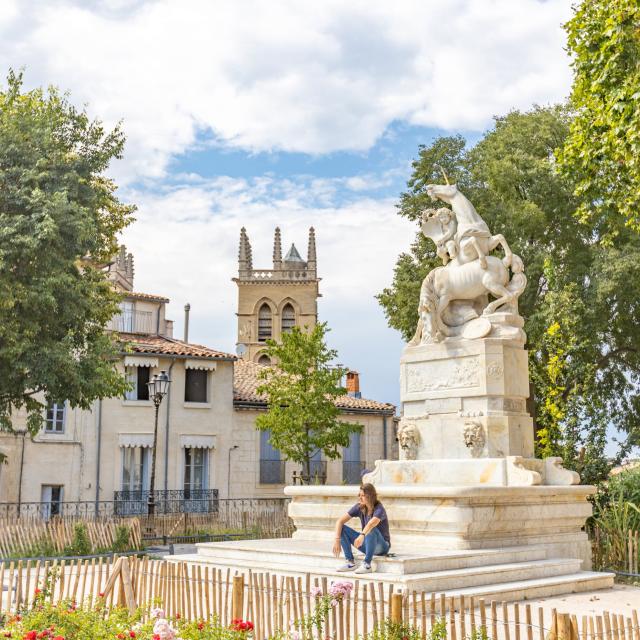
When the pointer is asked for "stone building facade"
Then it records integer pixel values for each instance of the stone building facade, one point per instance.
(208, 445)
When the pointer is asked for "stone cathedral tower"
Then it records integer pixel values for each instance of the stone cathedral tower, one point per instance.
(272, 301)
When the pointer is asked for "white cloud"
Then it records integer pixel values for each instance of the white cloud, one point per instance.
(357, 242)
(287, 75)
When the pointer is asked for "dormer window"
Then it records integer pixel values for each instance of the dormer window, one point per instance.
(288, 318)
(264, 323)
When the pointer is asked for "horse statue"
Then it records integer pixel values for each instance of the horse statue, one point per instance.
(473, 236)
(456, 293)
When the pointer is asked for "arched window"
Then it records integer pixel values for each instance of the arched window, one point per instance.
(288, 318)
(264, 359)
(264, 323)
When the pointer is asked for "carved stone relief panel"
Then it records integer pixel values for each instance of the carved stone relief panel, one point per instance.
(442, 374)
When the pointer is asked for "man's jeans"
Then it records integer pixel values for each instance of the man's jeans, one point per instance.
(374, 544)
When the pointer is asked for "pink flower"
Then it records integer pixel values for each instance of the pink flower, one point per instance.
(316, 592)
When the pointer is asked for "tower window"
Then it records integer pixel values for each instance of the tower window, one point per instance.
(288, 318)
(264, 323)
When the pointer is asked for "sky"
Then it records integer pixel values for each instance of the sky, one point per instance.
(290, 114)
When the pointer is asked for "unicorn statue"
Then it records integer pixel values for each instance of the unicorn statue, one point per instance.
(454, 298)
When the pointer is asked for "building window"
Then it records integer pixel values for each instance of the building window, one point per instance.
(352, 466)
(195, 471)
(51, 498)
(195, 385)
(125, 321)
(138, 377)
(271, 466)
(55, 418)
(288, 318)
(264, 359)
(135, 468)
(264, 323)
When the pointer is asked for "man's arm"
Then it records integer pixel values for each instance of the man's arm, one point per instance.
(338, 532)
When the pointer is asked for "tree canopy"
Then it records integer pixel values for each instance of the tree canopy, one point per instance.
(581, 305)
(59, 217)
(301, 390)
(602, 151)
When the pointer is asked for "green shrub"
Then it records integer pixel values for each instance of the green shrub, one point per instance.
(80, 545)
(121, 539)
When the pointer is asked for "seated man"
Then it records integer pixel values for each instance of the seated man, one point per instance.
(374, 539)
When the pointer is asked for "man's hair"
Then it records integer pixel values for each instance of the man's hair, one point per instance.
(370, 496)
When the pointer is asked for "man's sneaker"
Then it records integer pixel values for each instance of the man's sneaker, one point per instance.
(347, 566)
(364, 568)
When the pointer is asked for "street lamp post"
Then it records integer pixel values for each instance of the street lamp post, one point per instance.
(158, 388)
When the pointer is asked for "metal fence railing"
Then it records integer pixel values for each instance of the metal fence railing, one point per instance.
(204, 503)
(136, 502)
(352, 471)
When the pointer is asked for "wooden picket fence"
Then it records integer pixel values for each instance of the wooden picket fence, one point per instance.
(21, 537)
(616, 550)
(274, 602)
(633, 543)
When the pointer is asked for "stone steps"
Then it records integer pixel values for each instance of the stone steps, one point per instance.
(431, 581)
(512, 573)
(538, 588)
(286, 554)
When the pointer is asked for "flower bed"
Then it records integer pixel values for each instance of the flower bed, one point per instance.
(66, 621)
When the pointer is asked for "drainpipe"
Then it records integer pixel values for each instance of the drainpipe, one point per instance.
(166, 434)
(384, 436)
(158, 319)
(98, 452)
(187, 308)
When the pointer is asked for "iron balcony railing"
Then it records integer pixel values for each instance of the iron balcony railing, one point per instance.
(133, 322)
(135, 502)
(317, 473)
(352, 471)
(272, 471)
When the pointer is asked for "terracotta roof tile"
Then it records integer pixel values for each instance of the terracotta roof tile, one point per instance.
(245, 383)
(171, 347)
(144, 296)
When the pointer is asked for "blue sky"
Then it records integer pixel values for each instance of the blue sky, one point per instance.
(285, 114)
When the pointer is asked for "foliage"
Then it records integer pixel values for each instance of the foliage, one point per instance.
(301, 390)
(616, 512)
(121, 538)
(80, 545)
(67, 621)
(390, 630)
(602, 151)
(582, 303)
(59, 217)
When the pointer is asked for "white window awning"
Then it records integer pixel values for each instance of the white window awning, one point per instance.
(135, 439)
(198, 442)
(140, 361)
(204, 365)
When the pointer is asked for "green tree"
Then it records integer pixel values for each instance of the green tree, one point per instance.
(602, 151)
(581, 305)
(301, 390)
(59, 217)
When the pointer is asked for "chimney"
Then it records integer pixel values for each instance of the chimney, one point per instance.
(353, 384)
(187, 308)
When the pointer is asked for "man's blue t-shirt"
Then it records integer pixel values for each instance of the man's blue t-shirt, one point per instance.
(378, 512)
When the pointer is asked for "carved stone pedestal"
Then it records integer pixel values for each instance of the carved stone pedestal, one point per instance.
(467, 399)
(425, 518)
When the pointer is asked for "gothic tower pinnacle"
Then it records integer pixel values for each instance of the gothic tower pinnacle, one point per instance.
(277, 250)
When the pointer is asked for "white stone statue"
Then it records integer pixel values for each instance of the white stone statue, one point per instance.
(408, 437)
(456, 294)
